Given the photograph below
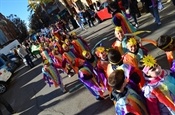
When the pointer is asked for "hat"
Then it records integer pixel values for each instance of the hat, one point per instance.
(131, 41)
(148, 62)
(73, 33)
(118, 28)
(84, 53)
(46, 62)
(64, 45)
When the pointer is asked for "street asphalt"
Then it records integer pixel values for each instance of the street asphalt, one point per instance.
(30, 95)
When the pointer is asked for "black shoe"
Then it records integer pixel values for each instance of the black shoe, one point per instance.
(139, 16)
(99, 98)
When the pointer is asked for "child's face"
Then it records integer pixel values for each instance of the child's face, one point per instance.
(155, 71)
(66, 48)
(103, 55)
(132, 48)
(119, 35)
(88, 56)
(67, 42)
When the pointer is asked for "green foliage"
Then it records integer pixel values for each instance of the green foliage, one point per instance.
(39, 17)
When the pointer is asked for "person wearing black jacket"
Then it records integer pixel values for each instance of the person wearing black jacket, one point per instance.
(89, 17)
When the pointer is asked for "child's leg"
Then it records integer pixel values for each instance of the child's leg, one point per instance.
(98, 95)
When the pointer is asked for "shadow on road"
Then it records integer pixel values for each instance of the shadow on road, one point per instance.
(38, 104)
(73, 86)
(99, 106)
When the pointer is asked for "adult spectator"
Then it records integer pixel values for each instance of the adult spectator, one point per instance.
(24, 55)
(90, 17)
(153, 6)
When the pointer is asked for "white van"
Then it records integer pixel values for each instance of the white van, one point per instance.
(4, 77)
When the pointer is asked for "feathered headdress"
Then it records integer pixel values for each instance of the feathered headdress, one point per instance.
(132, 41)
(148, 62)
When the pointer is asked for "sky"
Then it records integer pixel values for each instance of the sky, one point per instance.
(17, 7)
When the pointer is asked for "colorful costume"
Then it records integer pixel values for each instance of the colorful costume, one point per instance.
(128, 102)
(100, 74)
(45, 55)
(160, 90)
(35, 49)
(119, 45)
(130, 72)
(134, 58)
(126, 26)
(88, 78)
(50, 73)
(80, 45)
(68, 57)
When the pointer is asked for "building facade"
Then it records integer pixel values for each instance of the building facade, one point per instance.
(7, 30)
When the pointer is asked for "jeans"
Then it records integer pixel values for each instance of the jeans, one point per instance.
(29, 61)
(154, 11)
(173, 2)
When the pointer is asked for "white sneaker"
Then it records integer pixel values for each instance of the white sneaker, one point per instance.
(159, 23)
(69, 75)
(136, 25)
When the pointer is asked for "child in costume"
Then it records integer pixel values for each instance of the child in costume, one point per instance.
(57, 62)
(167, 43)
(100, 74)
(87, 77)
(52, 76)
(134, 54)
(119, 19)
(79, 44)
(103, 62)
(159, 88)
(68, 42)
(45, 54)
(116, 61)
(126, 100)
(68, 57)
(119, 44)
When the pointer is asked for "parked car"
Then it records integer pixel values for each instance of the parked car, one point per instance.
(103, 13)
(13, 58)
(5, 76)
(7, 63)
